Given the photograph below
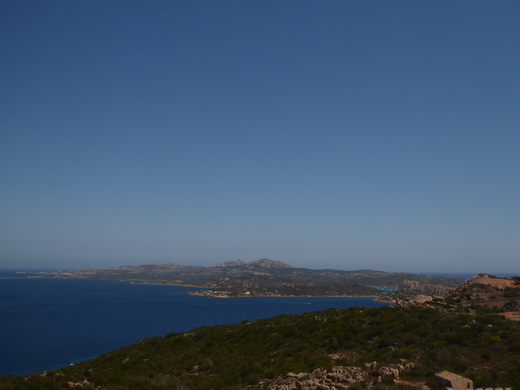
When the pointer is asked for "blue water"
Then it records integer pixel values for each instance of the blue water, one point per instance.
(49, 323)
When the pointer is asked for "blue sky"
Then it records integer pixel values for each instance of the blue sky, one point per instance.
(338, 134)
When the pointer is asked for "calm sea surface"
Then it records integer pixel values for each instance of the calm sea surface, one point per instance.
(50, 323)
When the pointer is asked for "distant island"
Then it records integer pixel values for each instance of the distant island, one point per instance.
(272, 278)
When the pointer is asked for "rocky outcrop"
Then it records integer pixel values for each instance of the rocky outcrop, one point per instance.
(499, 294)
(414, 288)
(336, 378)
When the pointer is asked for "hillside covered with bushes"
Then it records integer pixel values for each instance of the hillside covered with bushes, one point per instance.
(254, 354)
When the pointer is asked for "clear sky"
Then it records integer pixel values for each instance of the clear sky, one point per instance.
(325, 134)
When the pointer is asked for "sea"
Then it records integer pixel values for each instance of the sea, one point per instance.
(48, 323)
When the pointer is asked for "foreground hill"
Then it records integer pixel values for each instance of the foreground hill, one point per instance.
(266, 277)
(357, 347)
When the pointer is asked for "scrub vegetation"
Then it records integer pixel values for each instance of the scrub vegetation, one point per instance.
(470, 341)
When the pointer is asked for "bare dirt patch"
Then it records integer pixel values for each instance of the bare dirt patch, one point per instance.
(495, 282)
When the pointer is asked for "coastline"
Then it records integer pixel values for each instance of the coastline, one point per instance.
(72, 318)
(207, 292)
(197, 293)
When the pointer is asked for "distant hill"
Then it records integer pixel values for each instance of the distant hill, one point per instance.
(266, 277)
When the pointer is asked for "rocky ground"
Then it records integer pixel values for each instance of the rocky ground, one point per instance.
(339, 378)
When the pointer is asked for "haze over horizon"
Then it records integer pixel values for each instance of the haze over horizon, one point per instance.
(348, 135)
